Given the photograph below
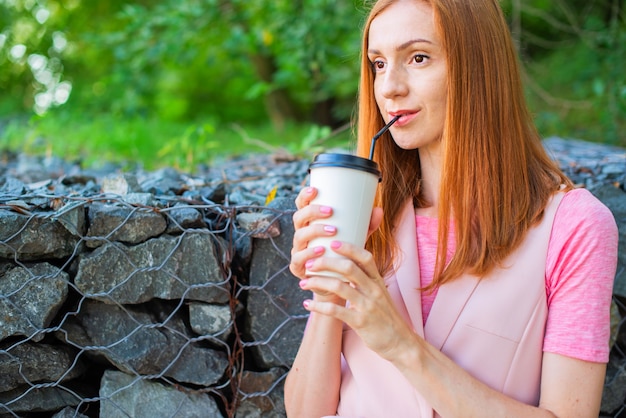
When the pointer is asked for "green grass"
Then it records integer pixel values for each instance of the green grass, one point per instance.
(153, 143)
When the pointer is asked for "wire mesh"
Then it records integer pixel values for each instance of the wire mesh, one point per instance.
(145, 316)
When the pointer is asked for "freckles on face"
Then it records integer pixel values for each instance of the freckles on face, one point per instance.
(410, 72)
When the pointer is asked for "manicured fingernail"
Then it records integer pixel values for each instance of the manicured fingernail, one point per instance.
(335, 244)
(303, 283)
(318, 250)
(306, 304)
(326, 209)
(309, 190)
(309, 264)
(330, 229)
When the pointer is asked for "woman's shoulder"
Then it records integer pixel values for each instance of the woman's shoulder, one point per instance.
(583, 225)
(580, 207)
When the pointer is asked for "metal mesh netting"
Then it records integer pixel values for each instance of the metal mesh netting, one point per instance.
(118, 309)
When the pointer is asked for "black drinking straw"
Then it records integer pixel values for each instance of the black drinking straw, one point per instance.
(382, 131)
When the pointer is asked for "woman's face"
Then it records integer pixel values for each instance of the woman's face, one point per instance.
(410, 73)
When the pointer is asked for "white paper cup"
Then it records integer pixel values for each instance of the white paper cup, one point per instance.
(347, 184)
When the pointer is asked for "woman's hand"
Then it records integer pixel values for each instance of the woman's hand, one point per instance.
(370, 312)
(305, 232)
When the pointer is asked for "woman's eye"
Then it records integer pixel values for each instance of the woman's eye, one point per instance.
(378, 65)
(420, 58)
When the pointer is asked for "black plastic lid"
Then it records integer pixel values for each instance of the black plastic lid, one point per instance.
(345, 160)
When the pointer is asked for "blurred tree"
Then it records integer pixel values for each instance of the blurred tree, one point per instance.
(298, 58)
(183, 58)
(31, 55)
(289, 60)
(575, 55)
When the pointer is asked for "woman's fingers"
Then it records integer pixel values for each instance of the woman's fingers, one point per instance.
(358, 264)
(324, 285)
(300, 258)
(359, 281)
(300, 250)
(305, 196)
(305, 231)
(303, 217)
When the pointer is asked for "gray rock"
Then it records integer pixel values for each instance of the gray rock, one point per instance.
(182, 217)
(614, 384)
(38, 399)
(30, 168)
(71, 214)
(259, 225)
(261, 395)
(162, 182)
(276, 315)
(69, 412)
(136, 342)
(126, 396)
(211, 320)
(11, 186)
(120, 184)
(35, 236)
(613, 170)
(29, 363)
(130, 225)
(164, 268)
(242, 197)
(616, 320)
(140, 199)
(30, 298)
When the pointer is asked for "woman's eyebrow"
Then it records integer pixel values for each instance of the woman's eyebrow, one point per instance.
(402, 46)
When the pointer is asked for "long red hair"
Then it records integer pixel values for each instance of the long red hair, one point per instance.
(497, 177)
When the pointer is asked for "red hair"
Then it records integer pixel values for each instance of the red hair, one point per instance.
(496, 176)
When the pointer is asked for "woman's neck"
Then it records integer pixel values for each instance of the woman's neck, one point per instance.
(431, 164)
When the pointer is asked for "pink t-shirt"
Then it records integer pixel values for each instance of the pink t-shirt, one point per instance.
(580, 269)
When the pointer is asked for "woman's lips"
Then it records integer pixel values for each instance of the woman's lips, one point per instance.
(406, 117)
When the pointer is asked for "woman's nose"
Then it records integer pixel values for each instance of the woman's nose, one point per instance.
(394, 82)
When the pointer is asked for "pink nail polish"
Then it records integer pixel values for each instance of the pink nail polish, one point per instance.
(309, 264)
(303, 283)
(335, 244)
(330, 228)
(318, 250)
(306, 304)
(325, 209)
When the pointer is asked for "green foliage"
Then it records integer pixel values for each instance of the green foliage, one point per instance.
(94, 141)
(154, 143)
(577, 86)
(180, 59)
(310, 142)
(193, 148)
(31, 54)
(174, 82)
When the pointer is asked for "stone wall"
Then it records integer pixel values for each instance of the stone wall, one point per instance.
(161, 294)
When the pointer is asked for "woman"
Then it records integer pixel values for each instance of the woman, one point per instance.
(485, 285)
